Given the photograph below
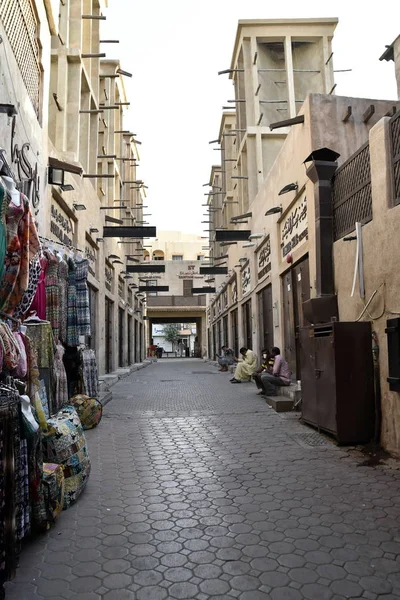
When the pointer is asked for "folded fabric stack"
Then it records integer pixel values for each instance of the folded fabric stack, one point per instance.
(65, 444)
(89, 410)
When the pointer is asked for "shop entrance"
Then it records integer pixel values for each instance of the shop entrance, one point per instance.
(225, 330)
(296, 290)
(135, 342)
(129, 339)
(247, 329)
(235, 331)
(120, 337)
(265, 318)
(108, 334)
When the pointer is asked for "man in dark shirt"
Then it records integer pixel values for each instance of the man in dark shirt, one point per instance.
(280, 376)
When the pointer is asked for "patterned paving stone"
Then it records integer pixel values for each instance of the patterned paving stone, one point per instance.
(201, 491)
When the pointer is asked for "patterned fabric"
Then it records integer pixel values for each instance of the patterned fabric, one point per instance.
(72, 317)
(11, 505)
(23, 245)
(50, 501)
(52, 294)
(42, 340)
(29, 295)
(39, 302)
(61, 391)
(89, 373)
(89, 410)
(82, 296)
(63, 295)
(66, 445)
(4, 202)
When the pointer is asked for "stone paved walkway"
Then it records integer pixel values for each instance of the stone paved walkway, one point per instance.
(199, 490)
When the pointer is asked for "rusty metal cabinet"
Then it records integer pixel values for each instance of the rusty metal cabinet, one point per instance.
(337, 380)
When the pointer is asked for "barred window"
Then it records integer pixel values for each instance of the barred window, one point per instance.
(21, 26)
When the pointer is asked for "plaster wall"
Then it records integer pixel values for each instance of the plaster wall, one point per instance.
(381, 273)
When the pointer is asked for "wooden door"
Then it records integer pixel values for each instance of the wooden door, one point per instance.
(289, 348)
(120, 337)
(108, 334)
(235, 332)
(301, 293)
(225, 330)
(129, 339)
(247, 325)
(135, 342)
(265, 319)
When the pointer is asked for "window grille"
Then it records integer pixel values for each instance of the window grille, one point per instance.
(20, 24)
(395, 147)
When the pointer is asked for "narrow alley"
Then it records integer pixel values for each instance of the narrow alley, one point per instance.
(199, 490)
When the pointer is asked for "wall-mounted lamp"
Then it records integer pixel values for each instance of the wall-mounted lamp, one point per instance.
(56, 176)
(248, 245)
(273, 211)
(79, 207)
(291, 187)
(68, 187)
(256, 236)
(242, 259)
(99, 240)
(93, 230)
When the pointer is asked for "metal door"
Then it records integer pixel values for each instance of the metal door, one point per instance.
(135, 341)
(325, 378)
(309, 404)
(289, 349)
(108, 334)
(235, 332)
(140, 342)
(214, 335)
(265, 318)
(219, 336)
(91, 340)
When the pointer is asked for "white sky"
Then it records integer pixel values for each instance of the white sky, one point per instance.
(175, 48)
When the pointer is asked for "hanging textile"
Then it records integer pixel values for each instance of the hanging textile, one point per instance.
(61, 390)
(82, 295)
(72, 318)
(4, 201)
(23, 245)
(63, 297)
(89, 372)
(39, 302)
(28, 297)
(52, 294)
(41, 337)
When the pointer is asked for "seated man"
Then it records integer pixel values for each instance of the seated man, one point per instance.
(280, 375)
(227, 358)
(246, 366)
(266, 367)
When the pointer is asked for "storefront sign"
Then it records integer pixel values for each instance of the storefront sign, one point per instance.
(191, 273)
(246, 279)
(294, 229)
(109, 275)
(264, 258)
(60, 225)
(234, 292)
(91, 257)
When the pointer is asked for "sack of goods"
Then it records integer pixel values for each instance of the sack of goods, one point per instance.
(89, 410)
(65, 444)
(51, 499)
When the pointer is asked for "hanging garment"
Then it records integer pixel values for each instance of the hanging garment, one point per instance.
(39, 302)
(63, 296)
(50, 500)
(72, 317)
(26, 301)
(52, 294)
(82, 295)
(4, 202)
(23, 245)
(89, 373)
(11, 353)
(61, 391)
(41, 337)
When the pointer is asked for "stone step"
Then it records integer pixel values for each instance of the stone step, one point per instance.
(105, 397)
(291, 391)
(280, 403)
(109, 379)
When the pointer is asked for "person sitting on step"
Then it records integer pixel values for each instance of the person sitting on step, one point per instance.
(226, 358)
(280, 376)
(266, 367)
(246, 367)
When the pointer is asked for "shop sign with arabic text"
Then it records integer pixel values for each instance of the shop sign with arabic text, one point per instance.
(294, 227)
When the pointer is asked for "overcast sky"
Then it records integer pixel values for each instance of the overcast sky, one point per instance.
(174, 50)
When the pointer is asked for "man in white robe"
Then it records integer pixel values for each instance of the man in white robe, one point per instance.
(246, 366)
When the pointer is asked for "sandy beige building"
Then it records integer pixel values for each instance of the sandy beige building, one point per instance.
(176, 245)
(279, 245)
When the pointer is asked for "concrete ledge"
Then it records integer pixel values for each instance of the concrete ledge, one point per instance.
(105, 397)
(280, 403)
(110, 379)
(290, 391)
